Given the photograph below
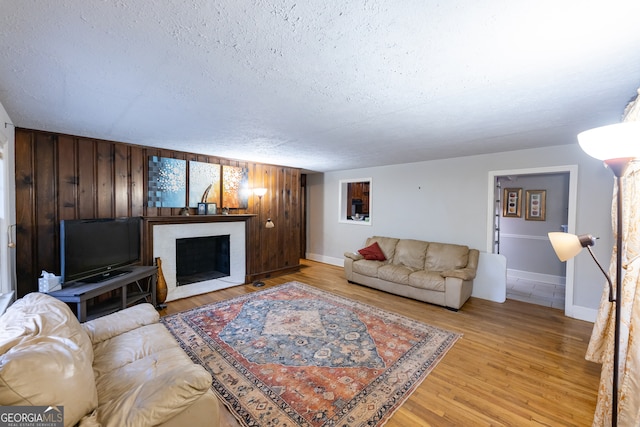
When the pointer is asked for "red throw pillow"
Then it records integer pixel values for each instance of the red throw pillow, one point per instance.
(372, 252)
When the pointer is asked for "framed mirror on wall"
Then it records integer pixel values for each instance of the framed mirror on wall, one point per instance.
(355, 201)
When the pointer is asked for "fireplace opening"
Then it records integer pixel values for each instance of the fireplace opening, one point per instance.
(199, 259)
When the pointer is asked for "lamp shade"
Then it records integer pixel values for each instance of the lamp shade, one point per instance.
(621, 140)
(568, 245)
(259, 191)
(565, 245)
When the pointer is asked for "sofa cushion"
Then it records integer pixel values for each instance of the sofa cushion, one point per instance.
(151, 390)
(411, 253)
(445, 256)
(372, 252)
(121, 350)
(145, 365)
(367, 267)
(106, 327)
(40, 338)
(395, 273)
(430, 280)
(387, 244)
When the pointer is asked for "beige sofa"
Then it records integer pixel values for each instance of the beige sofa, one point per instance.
(124, 369)
(437, 273)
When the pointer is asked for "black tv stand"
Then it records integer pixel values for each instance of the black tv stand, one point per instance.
(143, 277)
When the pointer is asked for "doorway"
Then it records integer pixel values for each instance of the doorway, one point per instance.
(7, 240)
(534, 274)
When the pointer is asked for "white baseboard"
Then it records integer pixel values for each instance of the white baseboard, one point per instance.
(536, 277)
(582, 313)
(339, 262)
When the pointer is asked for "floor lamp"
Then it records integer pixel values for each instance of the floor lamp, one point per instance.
(616, 145)
(260, 192)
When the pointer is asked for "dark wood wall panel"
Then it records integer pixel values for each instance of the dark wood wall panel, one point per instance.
(67, 178)
(86, 199)
(121, 181)
(302, 215)
(278, 185)
(70, 177)
(138, 199)
(291, 220)
(26, 258)
(105, 193)
(46, 207)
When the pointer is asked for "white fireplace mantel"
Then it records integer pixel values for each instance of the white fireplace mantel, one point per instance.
(160, 241)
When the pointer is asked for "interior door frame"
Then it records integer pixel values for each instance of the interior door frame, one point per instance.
(572, 170)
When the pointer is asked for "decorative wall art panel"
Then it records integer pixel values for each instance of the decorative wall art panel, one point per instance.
(235, 187)
(167, 182)
(536, 205)
(512, 202)
(204, 183)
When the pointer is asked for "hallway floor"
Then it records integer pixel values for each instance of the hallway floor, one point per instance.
(540, 293)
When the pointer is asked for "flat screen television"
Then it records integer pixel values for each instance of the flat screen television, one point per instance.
(92, 250)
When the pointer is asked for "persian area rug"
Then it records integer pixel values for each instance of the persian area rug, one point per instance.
(294, 355)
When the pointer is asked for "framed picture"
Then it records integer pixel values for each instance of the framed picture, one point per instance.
(235, 187)
(167, 184)
(536, 205)
(512, 202)
(211, 209)
(202, 208)
(204, 183)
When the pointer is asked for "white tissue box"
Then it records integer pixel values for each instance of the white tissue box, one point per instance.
(51, 284)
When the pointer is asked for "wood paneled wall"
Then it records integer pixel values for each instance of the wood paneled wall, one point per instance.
(69, 177)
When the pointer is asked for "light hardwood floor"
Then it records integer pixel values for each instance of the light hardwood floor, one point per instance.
(517, 364)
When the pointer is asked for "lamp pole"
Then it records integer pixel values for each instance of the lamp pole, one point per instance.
(259, 192)
(618, 167)
(616, 145)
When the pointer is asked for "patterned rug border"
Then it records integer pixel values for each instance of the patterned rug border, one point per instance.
(384, 413)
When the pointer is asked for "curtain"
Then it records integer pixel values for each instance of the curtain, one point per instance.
(601, 344)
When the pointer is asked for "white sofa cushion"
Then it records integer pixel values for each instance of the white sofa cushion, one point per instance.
(46, 358)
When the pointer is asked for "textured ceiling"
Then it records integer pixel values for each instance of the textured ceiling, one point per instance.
(320, 85)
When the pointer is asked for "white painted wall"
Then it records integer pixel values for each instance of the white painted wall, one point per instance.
(446, 200)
